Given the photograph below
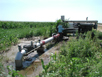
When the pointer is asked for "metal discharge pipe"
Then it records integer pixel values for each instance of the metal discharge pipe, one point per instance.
(42, 42)
(29, 48)
(50, 39)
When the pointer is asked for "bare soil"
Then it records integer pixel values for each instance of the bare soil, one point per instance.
(34, 67)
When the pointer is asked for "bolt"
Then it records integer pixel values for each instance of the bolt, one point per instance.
(19, 47)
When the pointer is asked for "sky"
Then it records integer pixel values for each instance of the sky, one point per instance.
(50, 10)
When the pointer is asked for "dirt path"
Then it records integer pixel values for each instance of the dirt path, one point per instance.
(34, 67)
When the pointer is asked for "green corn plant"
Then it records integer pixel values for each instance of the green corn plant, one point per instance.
(12, 72)
(45, 67)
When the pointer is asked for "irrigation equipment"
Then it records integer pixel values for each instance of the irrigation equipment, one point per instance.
(27, 49)
(80, 26)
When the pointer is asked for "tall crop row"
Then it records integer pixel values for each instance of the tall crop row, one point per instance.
(12, 25)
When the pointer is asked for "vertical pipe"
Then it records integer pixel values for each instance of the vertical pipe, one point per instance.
(31, 43)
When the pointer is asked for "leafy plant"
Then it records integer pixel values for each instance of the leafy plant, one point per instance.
(45, 67)
(78, 58)
(12, 72)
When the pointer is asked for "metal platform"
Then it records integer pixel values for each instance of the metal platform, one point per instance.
(82, 21)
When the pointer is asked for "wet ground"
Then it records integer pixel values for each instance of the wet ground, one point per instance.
(32, 63)
(35, 64)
